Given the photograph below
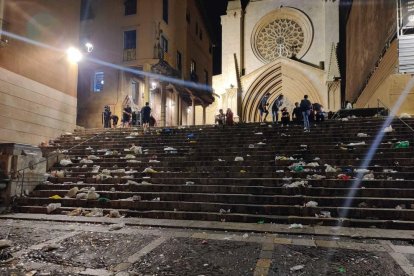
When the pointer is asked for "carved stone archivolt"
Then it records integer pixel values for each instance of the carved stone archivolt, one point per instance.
(285, 32)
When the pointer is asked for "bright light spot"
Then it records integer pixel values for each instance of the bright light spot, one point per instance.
(74, 55)
(188, 109)
(89, 47)
(411, 18)
(153, 85)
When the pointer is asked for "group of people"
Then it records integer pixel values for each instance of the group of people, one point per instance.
(303, 111)
(147, 119)
(225, 119)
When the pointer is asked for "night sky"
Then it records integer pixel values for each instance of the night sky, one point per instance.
(214, 9)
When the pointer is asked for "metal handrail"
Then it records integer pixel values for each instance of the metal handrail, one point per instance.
(384, 105)
(16, 174)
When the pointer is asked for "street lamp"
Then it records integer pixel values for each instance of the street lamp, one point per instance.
(89, 47)
(74, 55)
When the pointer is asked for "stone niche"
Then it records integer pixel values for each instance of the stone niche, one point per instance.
(24, 166)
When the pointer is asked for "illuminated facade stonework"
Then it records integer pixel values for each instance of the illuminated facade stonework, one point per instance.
(278, 46)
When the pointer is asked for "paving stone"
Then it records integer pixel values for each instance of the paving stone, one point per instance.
(403, 249)
(330, 261)
(282, 241)
(187, 256)
(264, 263)
(303, 242)
(322, 243)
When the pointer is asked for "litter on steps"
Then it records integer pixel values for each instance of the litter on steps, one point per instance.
(136, 149)
(149, 170)
(238, 159)
(296, 184)
(52, 207)
(65, 162)
(311, 204)
(72, 192)
(295, 226)
(388, 129)
(362, 135)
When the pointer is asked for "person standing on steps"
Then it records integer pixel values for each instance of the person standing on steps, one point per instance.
(229, 117)
(297, 114)
(146, 116)
(126, 116)
(306, 107)
(263, 107)
(275, 108)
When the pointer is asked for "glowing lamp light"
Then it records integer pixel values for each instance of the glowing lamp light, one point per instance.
(89, 47)
(74, 55)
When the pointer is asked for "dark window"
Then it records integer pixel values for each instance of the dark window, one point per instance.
(130, 7)
(196, 28)
(188, 17)
(98, 82)
(206, 76)
(165, 10)
(201, 35)
(210, 49)
(179, 61)
(130, 39)
(86, 10)
(164, 44)
(193, 67)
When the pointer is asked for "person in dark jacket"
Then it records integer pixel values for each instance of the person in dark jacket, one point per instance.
(306, 108)
(297, 114)
(275, 108)
(146, 116)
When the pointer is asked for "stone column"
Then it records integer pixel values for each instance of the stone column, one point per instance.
(177, 109)
(193, 111)
(204, 114)
(180, 111)
(147, 85)
(163, 104)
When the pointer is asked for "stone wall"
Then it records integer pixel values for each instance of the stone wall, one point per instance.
(370, 25)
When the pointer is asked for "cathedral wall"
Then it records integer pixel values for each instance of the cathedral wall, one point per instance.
(370, 25)
(315, 11)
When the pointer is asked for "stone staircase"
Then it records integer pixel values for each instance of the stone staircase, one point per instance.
(199, 178)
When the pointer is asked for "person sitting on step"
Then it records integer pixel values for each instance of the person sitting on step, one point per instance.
(285, 117)
(220, 118)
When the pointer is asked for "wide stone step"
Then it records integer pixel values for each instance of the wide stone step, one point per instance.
(249, 218)
(285, 210)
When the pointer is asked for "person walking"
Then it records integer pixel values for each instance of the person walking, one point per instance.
(306, 107)
(275, 108)
(263, 107)
(146, 116)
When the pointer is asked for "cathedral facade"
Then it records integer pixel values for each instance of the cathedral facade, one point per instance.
(284, 47)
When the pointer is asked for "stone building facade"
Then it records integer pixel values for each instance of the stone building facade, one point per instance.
(375, 56)
(146, 51)
(38, 86)
(281, 47)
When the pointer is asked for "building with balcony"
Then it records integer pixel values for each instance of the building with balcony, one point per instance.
(146, 51)
(38, 85)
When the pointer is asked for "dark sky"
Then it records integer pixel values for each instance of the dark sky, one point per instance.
(214, 9)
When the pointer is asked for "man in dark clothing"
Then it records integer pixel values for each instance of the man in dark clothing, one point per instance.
(306, 107)
(146, 116)
(263, 107)
(126, 116)
(297, 114)
(106, 115)
(275, 108)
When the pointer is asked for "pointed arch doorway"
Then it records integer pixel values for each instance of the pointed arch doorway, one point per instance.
(283, 76)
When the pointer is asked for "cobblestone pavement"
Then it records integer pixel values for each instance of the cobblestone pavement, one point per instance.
(72, 248)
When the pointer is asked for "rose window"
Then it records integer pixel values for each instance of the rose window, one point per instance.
(279, 38)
